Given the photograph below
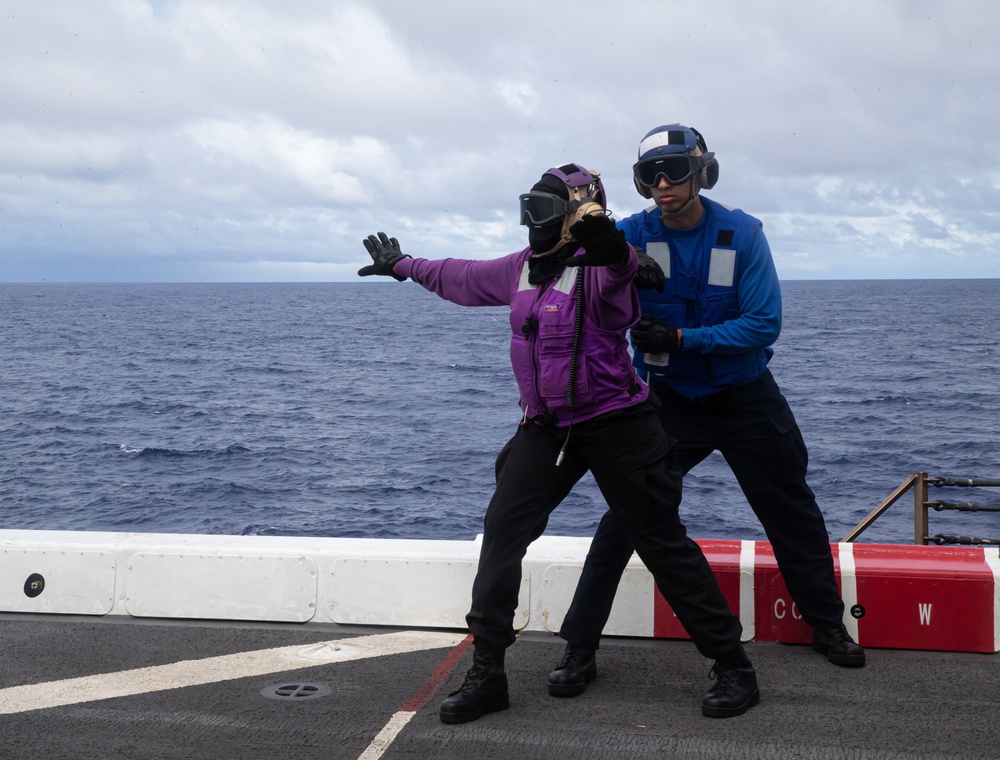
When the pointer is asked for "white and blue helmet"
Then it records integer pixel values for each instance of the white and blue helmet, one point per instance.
(676, 153)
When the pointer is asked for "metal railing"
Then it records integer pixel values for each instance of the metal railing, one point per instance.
(919, 482)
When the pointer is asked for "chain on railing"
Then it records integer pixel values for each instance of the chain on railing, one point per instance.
(919, 481)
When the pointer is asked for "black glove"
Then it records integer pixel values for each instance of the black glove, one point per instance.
(604, 243)
(385, 253)
(652, 335)
(650, 275)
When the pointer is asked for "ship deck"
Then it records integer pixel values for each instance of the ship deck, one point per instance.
(117, 687)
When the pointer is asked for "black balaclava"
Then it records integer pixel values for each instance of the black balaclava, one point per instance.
(543, 237)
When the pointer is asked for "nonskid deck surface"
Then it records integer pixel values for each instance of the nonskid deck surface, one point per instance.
(80, 688)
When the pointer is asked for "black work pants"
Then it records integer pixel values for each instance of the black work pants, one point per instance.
(630, 458)
(753, 428)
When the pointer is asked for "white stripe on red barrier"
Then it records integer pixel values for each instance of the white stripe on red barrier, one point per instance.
(993, 560)
(748, 607)
(849, 588)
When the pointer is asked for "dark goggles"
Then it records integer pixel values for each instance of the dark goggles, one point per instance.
(539, 208)
(676, 169)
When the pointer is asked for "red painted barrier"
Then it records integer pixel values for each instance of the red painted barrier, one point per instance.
(925, 597)
(724, 557)
(897, 596)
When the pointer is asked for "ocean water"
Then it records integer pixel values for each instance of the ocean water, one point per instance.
(376, 409)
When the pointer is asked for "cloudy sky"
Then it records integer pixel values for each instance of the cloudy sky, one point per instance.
(253, 140)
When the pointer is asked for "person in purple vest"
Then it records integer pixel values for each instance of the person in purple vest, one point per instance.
(711, 308)
(572, 300)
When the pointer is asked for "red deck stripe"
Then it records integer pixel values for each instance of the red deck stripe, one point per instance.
(419, 699)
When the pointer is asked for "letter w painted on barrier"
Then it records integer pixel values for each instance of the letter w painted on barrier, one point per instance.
(925, 613)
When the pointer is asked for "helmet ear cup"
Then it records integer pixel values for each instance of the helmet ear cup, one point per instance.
(591, 208)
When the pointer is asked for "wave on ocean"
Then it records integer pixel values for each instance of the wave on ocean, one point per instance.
(289, 410)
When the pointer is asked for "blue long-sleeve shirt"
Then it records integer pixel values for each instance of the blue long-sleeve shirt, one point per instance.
(722, 291)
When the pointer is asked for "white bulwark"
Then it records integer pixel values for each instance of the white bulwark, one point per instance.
(903, 597)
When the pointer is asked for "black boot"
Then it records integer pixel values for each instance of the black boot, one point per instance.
(484, 689)
(577, 668)
(838, 646)
(735, 690)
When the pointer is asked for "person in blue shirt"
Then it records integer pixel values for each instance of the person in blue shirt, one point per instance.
(711, 308)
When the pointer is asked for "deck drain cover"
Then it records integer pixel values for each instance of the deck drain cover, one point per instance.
(296, 692)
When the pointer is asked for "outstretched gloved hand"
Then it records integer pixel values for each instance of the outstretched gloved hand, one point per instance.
(649, 276)
(385, 253)
(652, 335)
(604, 243)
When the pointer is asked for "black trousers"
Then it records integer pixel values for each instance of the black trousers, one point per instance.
(753, 428)
(631, 459)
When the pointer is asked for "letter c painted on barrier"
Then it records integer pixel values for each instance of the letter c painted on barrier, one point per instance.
(779, 609)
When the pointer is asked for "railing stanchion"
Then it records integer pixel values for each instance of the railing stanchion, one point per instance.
(920, 530)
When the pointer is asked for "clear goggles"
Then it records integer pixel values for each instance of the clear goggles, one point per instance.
(540, 208)
(676, 169)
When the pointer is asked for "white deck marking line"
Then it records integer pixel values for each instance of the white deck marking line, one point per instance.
(398, 721)
(386, 736)
(16, 699)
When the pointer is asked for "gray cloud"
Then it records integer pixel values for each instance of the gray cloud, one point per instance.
(200, 139)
